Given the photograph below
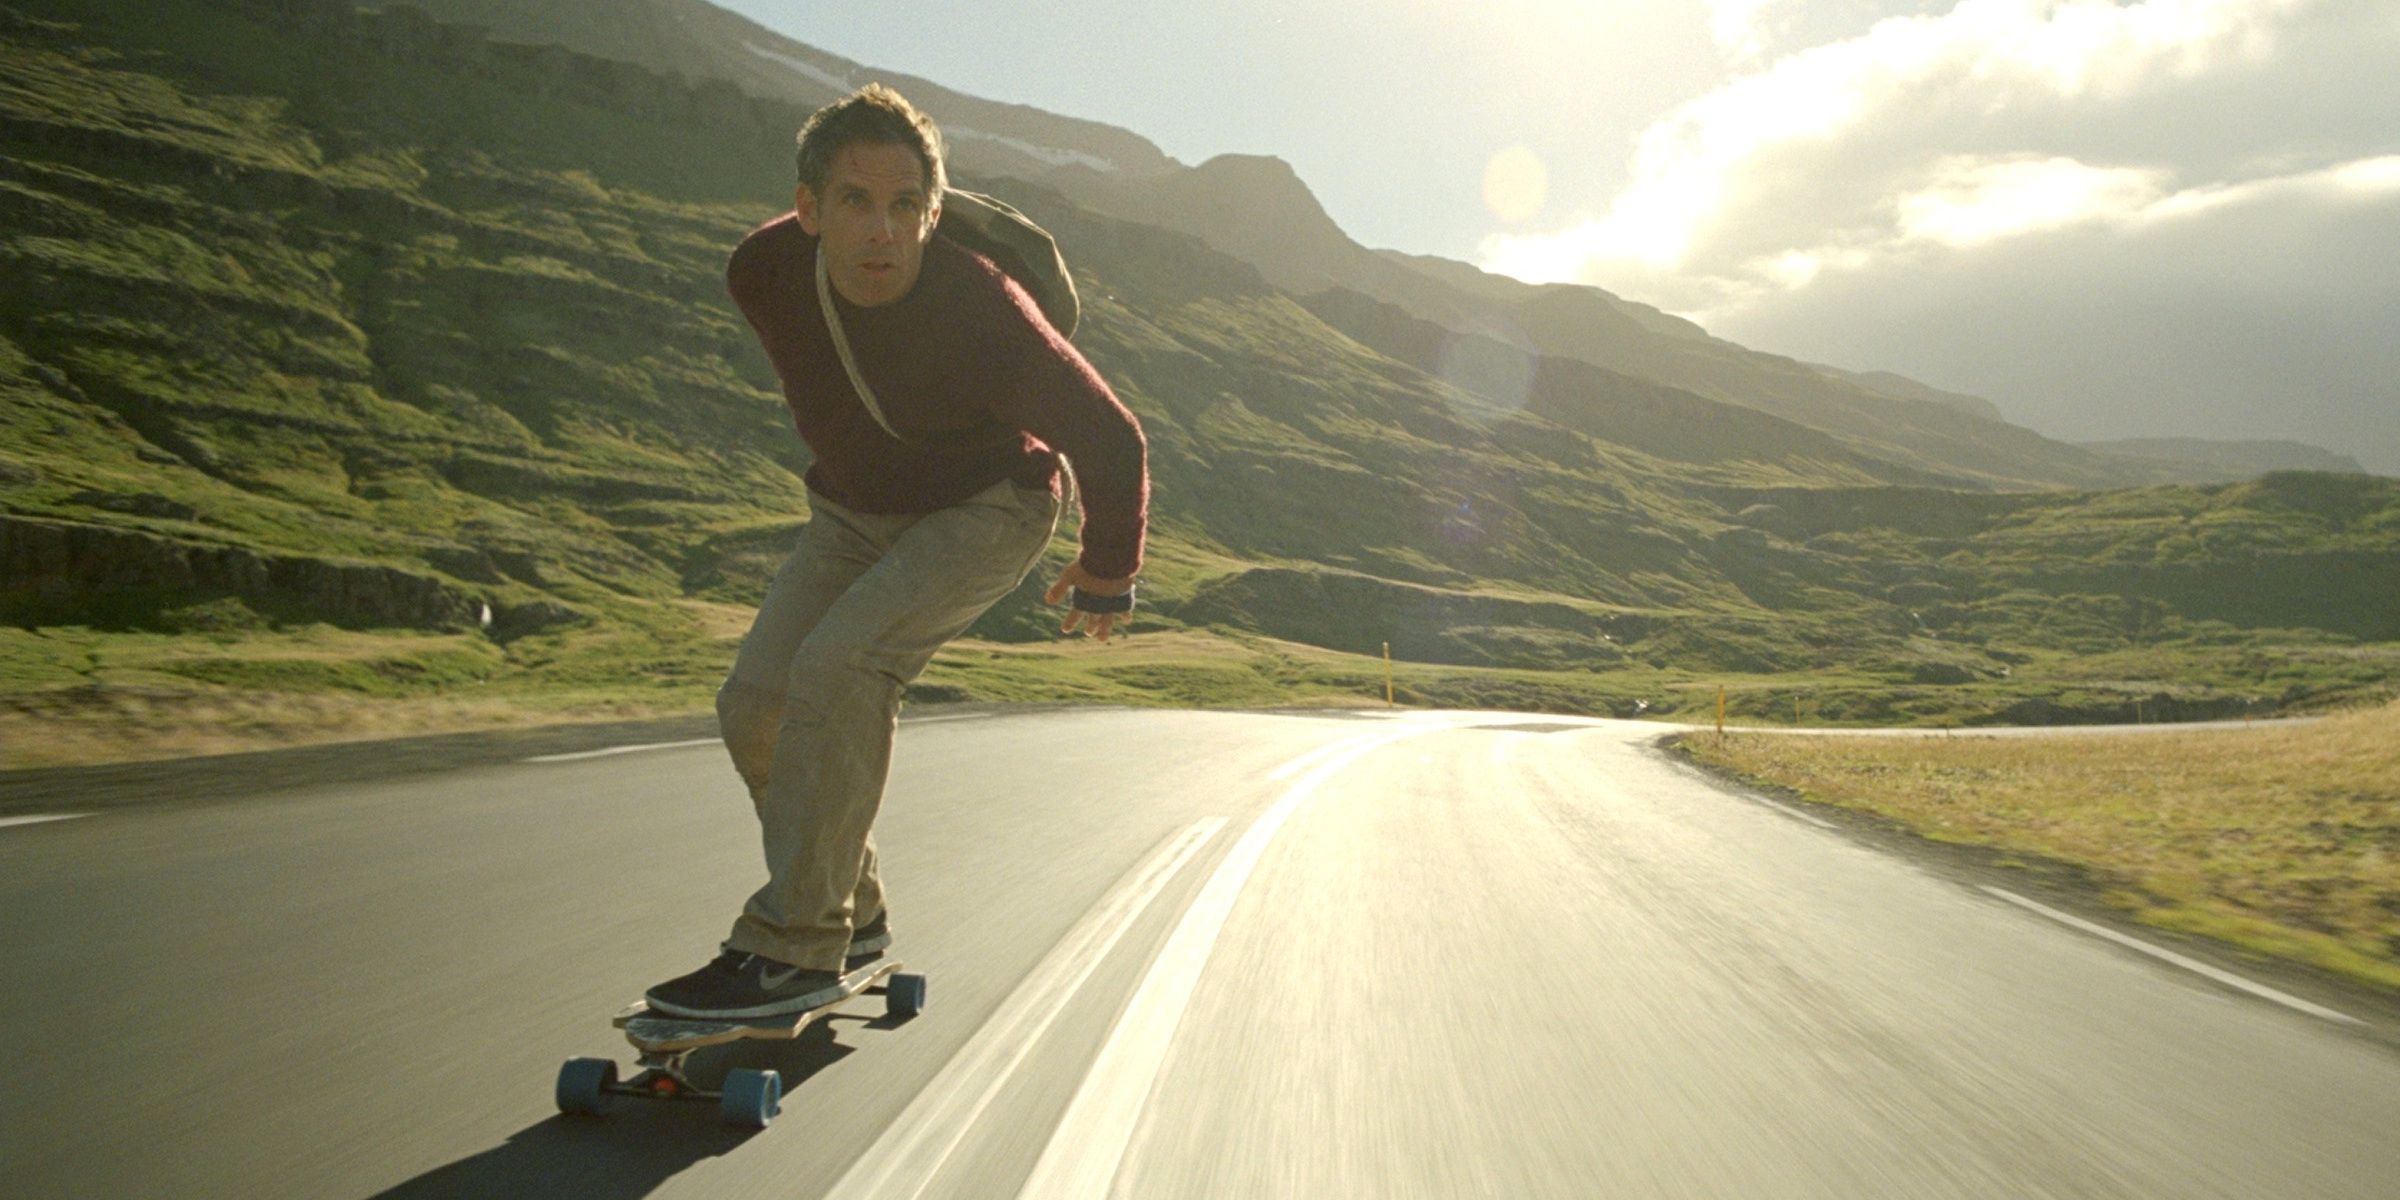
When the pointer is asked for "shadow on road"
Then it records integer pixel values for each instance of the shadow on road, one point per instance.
(636, 1147)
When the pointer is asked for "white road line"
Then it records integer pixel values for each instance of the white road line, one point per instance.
(39, 818)
(1089, 1145)
(1310, 759)
(2194, 965)
(580, 754)
(1417, 722)
(935, 720)
(710, 741)
(1820, 822)
(912, 1151)
(1750, 793)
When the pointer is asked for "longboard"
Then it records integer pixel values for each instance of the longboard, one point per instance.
(589, 1086)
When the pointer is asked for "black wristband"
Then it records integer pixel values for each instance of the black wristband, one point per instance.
(1088, 602)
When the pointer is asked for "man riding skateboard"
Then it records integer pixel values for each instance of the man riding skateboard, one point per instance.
(936, 487)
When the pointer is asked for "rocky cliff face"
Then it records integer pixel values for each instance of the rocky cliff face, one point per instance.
(67, 573)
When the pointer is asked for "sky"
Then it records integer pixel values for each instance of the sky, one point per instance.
(2141, 219)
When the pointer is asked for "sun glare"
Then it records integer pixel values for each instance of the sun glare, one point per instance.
(1535, 258)
(1515, 185)
(1973, 202)
(2370, 174)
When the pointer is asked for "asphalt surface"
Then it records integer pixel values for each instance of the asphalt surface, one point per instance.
(1172, 954)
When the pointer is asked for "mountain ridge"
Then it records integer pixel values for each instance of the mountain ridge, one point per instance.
(701, 41)
(2226, 461)
(1258, 209)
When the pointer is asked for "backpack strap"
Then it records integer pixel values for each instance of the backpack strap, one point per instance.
(841, 346)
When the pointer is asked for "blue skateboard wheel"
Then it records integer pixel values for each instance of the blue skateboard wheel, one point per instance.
(751, 1098)
(904, 995)
(583, 1085)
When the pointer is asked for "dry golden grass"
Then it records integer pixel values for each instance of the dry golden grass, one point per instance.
(1144, 646)
(2284, 839)
(147, 726)
(134, 725)
(137, 703)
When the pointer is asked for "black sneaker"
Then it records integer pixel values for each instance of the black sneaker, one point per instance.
(869, 941)
(738, 985)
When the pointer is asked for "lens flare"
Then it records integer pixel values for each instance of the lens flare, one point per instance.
(1515, 184)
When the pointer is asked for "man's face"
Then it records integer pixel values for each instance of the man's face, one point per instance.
(874, 219)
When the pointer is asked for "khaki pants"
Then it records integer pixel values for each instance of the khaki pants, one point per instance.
(813, 702)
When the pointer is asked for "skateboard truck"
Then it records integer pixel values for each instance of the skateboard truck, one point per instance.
(589, 1086)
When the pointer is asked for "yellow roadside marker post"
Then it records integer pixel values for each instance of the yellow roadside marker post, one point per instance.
(1387, 676)
(1720, 710)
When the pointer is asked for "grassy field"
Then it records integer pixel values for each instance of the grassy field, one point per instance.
(2283, 840)
(75, 696)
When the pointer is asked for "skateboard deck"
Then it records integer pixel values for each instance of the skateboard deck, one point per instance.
(589, 1085)
(651, 1032)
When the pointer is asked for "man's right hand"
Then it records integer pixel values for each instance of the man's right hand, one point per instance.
(1096, 625)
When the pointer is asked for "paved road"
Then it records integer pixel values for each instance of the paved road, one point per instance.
(1173, 954)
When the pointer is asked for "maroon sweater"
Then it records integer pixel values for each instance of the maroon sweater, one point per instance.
(976, 380)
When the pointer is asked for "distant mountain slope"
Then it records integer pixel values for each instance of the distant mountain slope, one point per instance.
(2162, 460)
(701, 41)
(1258, 210)
(1719, 441)
(2202, 460)
(1577, 322)
(1903, 387)
(1477, 281)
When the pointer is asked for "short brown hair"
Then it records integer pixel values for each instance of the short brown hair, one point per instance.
(875, 115)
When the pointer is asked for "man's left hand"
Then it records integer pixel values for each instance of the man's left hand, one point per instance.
(1097, 625)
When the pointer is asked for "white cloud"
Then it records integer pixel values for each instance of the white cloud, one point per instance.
(1749, 32)
(2361, 181)
(2370, 175)
(1945, 142)
(1739, 27)
(1971, 201)
(1828, 139)
(2262, 310)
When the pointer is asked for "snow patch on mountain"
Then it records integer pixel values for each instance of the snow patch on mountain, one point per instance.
(1049, 154)
(839, 83)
